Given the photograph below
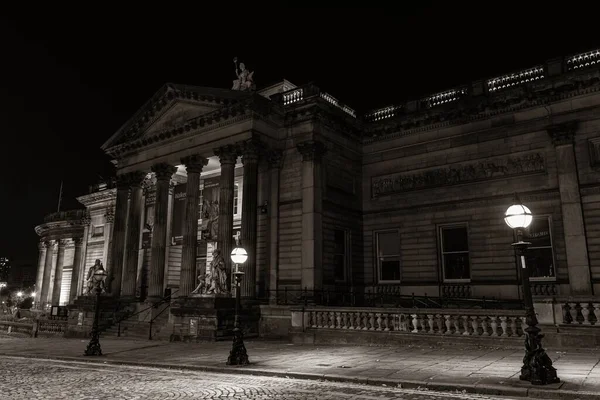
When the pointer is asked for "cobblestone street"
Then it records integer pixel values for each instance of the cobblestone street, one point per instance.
(33, 379)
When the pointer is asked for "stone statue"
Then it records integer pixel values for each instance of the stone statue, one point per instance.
(245, 78)
(210, 214)
(215, 281)
(91, 283)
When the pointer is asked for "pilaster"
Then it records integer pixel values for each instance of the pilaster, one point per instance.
(163, 173)
(40, 273)
(45, 289)
(250, 154)
(312, 210)
(86, 221)
(275, 163)
(193, 165)
(227, 156)
(59, 272)
(76, 268)
(133, 233)
(117, 246)
(563, 138)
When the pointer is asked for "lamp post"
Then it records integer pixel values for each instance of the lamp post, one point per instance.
(93, 348)
(537, 366)
(238, 355)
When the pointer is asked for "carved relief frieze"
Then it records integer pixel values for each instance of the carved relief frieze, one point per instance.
(459, 173)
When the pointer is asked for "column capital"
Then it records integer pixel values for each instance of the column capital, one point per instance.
(122, 182)
(163, 171)
(563, 133)
(87, 219)
(227, 154)
(194, 163)
(135, 178)
(41, 245)
(78, 241)
(50, 244)
(311, 150)
(62, 243)
(275, 158)
(110, 214)
(251, 150)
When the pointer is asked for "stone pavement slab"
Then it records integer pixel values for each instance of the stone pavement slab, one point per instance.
(483, 370)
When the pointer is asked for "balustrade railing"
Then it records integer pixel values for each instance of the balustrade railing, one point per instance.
(70, 215)
(501, 323)
(585, 312)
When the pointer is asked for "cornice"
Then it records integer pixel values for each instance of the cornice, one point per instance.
(97, 197)
(468, 110)
(60, 229)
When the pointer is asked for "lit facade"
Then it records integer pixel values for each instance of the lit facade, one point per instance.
(407, 199)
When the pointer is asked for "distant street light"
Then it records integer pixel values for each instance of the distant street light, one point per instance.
(19, 294)
(537, 366)
(238, 354)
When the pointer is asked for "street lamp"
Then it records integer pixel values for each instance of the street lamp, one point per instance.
(238, 355)
(537, 366)
(93, 347)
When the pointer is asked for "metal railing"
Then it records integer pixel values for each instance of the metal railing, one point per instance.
(164, 300)
(360, 298)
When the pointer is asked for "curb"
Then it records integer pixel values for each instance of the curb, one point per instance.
(486, 389)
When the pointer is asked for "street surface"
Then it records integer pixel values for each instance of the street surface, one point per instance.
(32, 379)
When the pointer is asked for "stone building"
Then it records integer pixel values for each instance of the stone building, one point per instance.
(407, 199)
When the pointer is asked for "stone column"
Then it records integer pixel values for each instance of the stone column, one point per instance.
(578, 265)
(193, 165)
(40, 273)
(45, 289)
(76, 269)
(275, 161)
(312, 218)
(250, 153)
(59, 272)
(133, 234)
(227, 156)
(117, 245)
(87, 220)
(163, 174)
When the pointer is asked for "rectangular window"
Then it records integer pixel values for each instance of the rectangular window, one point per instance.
(236, 192)
(340, 258)
(454, 246)
(388, 256)
(540, 254)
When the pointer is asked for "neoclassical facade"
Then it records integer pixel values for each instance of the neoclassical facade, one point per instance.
(407, 199)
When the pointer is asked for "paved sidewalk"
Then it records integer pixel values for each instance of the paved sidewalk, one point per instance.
(473, 369)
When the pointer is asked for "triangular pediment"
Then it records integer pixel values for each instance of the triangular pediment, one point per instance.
(177, 115)
(171, 107)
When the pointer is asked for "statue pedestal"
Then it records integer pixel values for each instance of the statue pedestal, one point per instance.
(210, 318)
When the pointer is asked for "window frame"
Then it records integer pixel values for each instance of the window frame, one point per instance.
(94, 234)
(551, 247)
(442, 253)
(378, 259)
(347, 253)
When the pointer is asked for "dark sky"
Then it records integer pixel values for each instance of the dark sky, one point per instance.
(71, 77)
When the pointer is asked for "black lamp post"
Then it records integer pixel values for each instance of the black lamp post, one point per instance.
(238, 355)
(93, 347)
(537, 366)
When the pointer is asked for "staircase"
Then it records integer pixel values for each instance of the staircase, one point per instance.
(148, 323)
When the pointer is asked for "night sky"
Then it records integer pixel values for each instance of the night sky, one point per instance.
(71, 77)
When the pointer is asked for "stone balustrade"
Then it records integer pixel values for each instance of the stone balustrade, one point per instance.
(582, 312)
(475, 322)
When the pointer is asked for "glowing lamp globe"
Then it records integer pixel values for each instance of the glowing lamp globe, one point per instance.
(239, 255)
(518, 216)
(19, 294)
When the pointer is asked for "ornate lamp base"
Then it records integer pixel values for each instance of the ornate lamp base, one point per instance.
(238, 355)
(537, 366)
(93, 347)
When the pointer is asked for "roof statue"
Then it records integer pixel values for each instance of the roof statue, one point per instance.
(245, 78)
